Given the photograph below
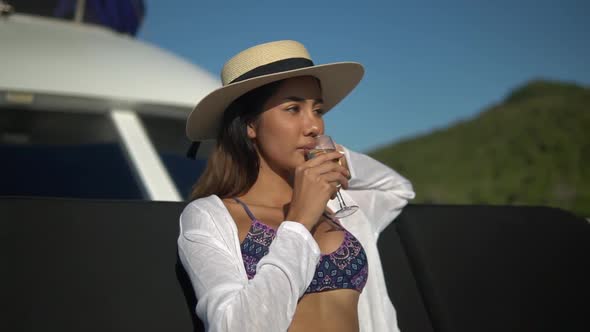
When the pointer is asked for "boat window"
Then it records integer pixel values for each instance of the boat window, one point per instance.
(63, 154)
(171, 143)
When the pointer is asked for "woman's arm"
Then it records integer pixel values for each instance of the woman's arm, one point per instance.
(227, 301)
(380, 191)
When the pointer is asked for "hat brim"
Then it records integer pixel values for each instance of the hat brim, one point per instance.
(337, 81)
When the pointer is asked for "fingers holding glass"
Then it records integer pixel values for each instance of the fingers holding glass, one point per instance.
(324, 145)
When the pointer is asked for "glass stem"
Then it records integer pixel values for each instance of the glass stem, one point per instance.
(340, 200)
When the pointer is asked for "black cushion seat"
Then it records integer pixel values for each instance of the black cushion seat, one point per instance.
(100, 265)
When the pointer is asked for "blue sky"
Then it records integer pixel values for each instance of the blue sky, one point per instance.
(427, 63)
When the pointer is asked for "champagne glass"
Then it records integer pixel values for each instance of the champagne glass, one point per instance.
(325, 144)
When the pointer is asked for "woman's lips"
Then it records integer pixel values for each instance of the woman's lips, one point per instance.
(309, 146)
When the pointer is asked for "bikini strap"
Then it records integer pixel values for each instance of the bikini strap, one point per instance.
(334, 220)
(250, 214)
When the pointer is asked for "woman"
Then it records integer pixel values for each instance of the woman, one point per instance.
(259, 241)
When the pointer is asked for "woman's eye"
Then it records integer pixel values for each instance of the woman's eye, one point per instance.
(320, 111)
(293, 108)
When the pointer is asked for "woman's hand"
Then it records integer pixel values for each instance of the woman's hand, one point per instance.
(314, 183)
(343, 160)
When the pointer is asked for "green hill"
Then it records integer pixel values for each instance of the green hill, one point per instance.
(531, 149)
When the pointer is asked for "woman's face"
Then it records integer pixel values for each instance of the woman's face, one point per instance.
(292, 117)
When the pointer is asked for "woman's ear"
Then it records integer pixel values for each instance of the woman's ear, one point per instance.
(251, 131)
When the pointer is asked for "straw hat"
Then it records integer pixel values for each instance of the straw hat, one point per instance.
(263, 64)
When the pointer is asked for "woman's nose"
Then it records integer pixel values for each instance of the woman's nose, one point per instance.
(312, 123)
(312, 127)
(313, 131)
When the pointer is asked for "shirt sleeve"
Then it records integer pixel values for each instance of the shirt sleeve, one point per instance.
(227, 300)
(380, 192)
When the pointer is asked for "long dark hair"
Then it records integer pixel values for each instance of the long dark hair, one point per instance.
(232, 168)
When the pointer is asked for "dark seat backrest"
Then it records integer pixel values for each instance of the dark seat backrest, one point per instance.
(483, 268)
(91, 265)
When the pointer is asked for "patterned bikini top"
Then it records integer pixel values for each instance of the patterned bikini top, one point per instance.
(345, 268)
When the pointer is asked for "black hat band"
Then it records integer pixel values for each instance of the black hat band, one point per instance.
(275, 67)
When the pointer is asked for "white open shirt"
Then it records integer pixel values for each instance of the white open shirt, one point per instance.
(209, 249)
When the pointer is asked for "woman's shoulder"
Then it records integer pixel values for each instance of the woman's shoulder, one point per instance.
(206, 221)
(208, 208)
(212, 203)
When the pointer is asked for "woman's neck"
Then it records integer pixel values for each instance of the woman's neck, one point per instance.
(272, 188)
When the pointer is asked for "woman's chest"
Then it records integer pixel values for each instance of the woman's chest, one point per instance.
(328, 235)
